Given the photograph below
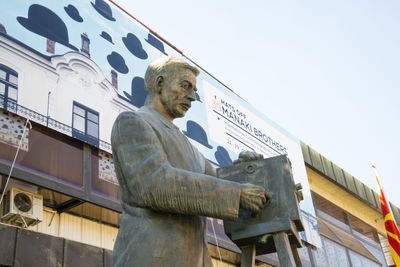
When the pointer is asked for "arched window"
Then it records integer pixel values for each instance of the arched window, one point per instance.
(8, 88)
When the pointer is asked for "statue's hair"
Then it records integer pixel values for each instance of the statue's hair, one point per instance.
(160, 67)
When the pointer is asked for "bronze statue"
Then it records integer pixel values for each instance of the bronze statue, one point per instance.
(167, 186)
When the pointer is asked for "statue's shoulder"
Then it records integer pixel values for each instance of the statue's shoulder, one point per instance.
(140, 118)
(127, 123)
(130, 115)
(126, 119)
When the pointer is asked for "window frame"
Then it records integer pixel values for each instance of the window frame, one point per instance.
(85, 135)
(7, 84)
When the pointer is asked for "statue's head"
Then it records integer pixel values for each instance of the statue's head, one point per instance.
(170, 83)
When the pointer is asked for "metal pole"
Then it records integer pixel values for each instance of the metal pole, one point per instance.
(48, 105)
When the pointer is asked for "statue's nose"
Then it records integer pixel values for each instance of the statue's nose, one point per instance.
(192, 95)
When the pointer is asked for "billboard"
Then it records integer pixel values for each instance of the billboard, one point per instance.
(220, 123)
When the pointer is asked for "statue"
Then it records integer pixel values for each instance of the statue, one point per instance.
(167, 186)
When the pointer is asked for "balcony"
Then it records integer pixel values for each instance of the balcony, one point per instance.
(53, 124)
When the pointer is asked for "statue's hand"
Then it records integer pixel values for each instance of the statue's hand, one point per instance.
(253, 198)
(248, 156)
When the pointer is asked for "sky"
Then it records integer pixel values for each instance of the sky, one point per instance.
(326, 71)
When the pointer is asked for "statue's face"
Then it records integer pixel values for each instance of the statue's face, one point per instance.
(178, 93)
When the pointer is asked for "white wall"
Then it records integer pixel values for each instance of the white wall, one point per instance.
(81, 80)
(35, 75)
(69, 77)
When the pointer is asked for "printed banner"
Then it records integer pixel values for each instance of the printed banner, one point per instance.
(51, 48)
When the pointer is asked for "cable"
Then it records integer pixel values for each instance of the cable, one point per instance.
(15, 158)
(216, 241)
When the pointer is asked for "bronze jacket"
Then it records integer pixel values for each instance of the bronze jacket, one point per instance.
(166, 189)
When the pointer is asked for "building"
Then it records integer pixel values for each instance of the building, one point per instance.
(65, 159)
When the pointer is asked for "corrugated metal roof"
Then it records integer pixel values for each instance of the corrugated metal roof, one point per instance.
(344, 179)
(396, 212)
(339, 176)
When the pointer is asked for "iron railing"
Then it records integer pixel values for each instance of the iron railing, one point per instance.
(52, 123)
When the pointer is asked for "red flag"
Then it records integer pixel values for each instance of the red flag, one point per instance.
(391, 229)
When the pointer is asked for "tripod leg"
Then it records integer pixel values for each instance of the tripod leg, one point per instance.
(282, 246)
(248, 256)
(296, 255)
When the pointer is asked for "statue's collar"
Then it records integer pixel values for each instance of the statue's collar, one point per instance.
(155, 113)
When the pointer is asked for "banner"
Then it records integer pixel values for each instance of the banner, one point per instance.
(70, 58)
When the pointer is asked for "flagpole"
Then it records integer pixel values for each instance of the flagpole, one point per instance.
(392, 232)
(377, 177)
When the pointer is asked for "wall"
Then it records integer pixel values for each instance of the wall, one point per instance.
(81, 80)
(69, 77)
(76, 228)
(345, 200)
(35, 75)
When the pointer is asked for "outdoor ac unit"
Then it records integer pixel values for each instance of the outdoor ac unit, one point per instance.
(20, 207)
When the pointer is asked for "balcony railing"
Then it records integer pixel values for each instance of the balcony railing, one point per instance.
(52, 124)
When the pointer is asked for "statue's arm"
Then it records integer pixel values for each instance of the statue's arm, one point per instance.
(209, 169)
(153, 183)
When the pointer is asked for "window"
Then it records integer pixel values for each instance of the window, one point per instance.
(330, 212)
(85, 124)
(8, 88)
(342, 232)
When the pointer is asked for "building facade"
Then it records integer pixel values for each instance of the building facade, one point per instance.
(56, 114)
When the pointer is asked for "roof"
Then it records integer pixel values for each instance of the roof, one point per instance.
(342, 178)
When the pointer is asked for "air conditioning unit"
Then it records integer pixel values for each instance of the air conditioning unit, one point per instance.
(21, 208)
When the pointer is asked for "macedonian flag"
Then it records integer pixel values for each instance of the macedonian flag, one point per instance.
(390, 225)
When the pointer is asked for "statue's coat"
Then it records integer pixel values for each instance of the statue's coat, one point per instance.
(166, 189)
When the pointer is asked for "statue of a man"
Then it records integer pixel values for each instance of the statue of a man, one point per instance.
(167, 186)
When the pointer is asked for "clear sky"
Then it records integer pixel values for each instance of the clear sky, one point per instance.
(326, 71)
